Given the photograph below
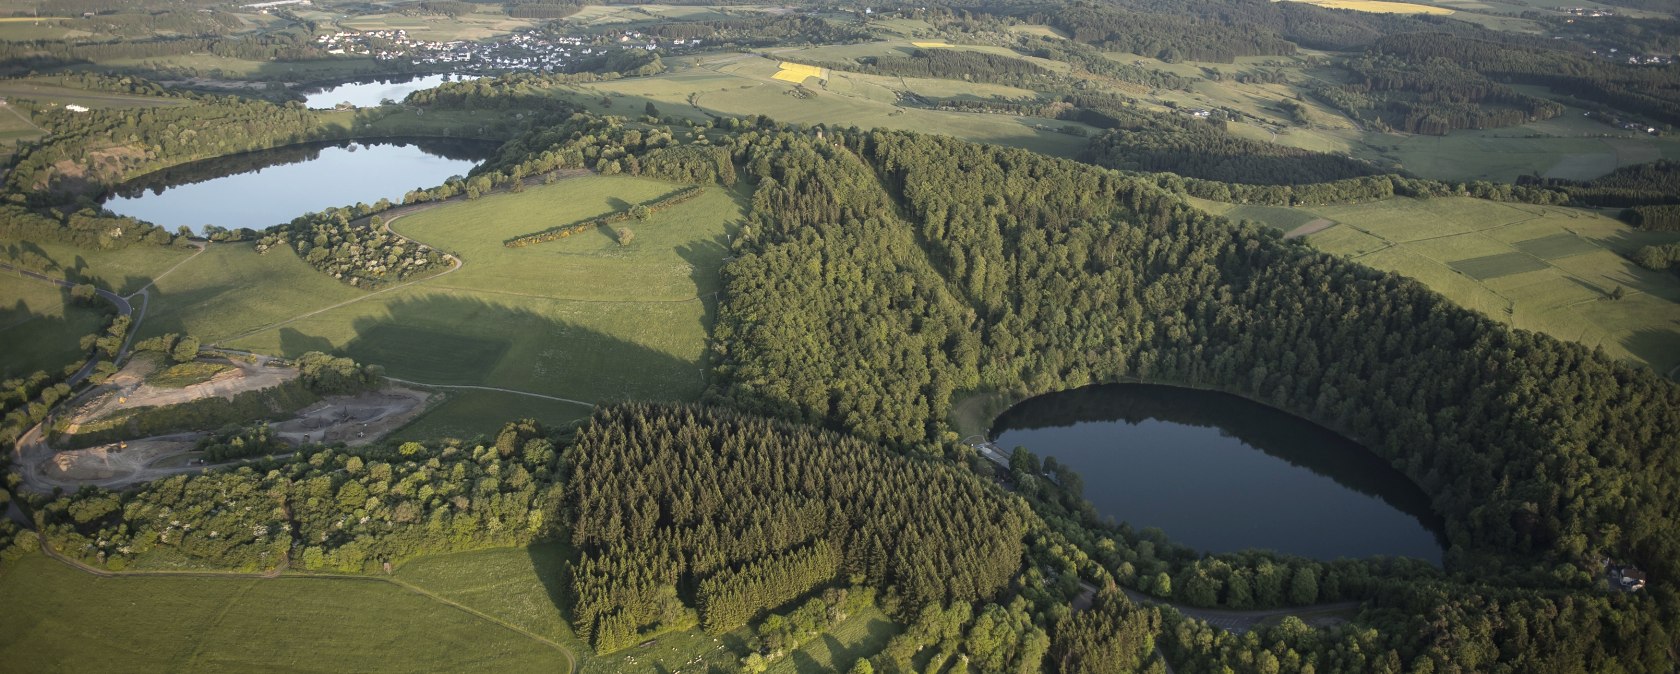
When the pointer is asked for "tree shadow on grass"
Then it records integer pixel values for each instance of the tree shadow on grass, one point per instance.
(453, 339)
(1656, 345)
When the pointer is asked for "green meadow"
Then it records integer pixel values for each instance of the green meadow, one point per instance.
(59, 619)
(734, 84)
(40, 327)
(1548, 269)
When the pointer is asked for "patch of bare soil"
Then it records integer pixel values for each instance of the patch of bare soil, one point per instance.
(128, 388)
(117, 464)
(1310, 228)
(354, 420)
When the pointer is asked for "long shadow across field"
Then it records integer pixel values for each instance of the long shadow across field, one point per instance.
(451, 339)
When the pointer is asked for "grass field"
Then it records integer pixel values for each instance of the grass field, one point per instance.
(230, 289)
(438, 27)
(468, 611)
(1539, 268)
(62, 620)
(121, 270)
(860, 636)
(1570, 146)
(601, 15)
(524, 586)
(40, 327)
(580, 318)
(45, 91)
(229, 67)
(744, 84)
(466, 414)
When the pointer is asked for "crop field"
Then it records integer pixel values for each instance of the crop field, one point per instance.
(580, 318)
(62, 620)
(798, 72)
(1379, 6)
(40, 327)
(1570, 146)
(23, 28)
(1539, 268)
(600, 15)
(438, 27)
(294, 71)
(741, 84)
(47, 92)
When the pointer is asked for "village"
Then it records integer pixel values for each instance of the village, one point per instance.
(525, 51)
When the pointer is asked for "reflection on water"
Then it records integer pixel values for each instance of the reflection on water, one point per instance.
(371, 93)
(261, 189)
(1222, 473)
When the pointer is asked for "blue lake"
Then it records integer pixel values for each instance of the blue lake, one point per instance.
(1222, 473)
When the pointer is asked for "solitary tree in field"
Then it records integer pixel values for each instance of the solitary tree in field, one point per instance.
(185, 350)
(625, 236)
(651, 109)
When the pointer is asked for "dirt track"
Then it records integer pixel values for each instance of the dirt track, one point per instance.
(1310, 228)
(352, 420)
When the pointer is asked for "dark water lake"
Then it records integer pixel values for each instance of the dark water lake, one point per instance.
(367, 94)
(1222, 473)
(261, 189)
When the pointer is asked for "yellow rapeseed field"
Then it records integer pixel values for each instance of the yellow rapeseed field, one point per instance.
(798, 72)
(1379, 6)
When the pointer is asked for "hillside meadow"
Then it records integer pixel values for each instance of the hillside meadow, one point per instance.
(59, 619)
(40, 327)
(1549, 269)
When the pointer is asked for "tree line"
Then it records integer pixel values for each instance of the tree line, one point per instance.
(638, 211)
(1431, 97)
(327, 510)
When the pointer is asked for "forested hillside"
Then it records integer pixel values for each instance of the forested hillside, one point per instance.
(680, 507)
(1062, 275)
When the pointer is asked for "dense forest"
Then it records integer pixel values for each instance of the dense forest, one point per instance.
(1649, 92)
(880, 277)
(744, 515)
(1202, 149)
(333, 509)
(1433, 97)
(1064, 275)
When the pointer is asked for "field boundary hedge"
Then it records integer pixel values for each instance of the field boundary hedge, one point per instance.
(563, 231)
